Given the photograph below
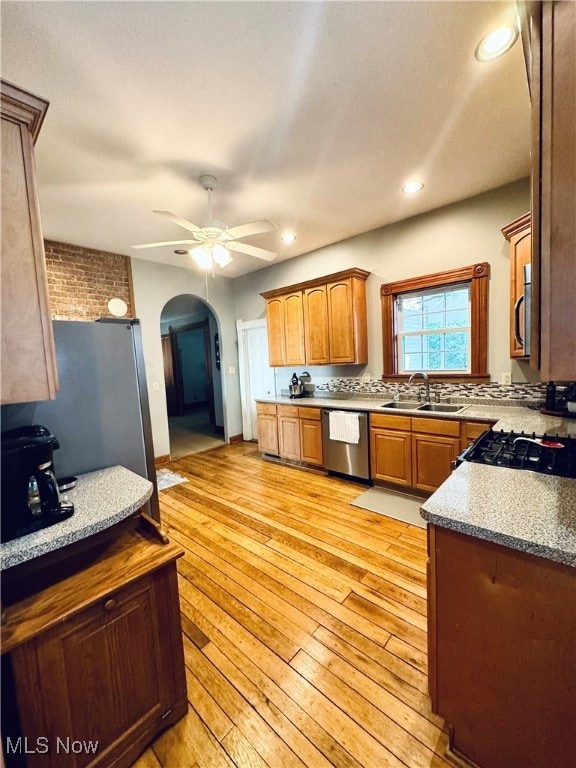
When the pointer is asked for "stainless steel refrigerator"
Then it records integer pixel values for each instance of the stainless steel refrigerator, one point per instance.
(101, 415)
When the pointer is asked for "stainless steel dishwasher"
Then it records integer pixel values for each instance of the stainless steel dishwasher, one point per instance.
(347, 458)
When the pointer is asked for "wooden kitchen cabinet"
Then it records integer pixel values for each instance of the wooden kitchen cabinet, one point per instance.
(96, 655)
(317, 336)
(470, 430)
(320, 321)
(519, 235)
(435, 446)
(267, 428)
(311, 435)
(501, 663)
(285, 325)
(549, 37)
(347, 332)
(28, 360)
(288, 432)
(390, 449)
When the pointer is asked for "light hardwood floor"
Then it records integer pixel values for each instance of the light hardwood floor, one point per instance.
(304, 623)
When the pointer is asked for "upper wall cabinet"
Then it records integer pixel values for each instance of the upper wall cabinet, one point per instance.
(28, 360)
(518, 234)
(549, 36)
(319, 322)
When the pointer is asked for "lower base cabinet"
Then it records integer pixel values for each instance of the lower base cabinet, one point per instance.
(98, 673)
(291, 432)
(501, 658)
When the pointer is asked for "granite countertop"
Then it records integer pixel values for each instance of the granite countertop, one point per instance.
(101, 499)
(517, 417)
(524, 510)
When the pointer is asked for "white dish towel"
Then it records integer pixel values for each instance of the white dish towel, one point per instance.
(344, 426)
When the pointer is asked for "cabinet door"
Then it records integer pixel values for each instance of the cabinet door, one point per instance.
(341, 321)
(105, 675)
(519, 235)
(268, 433)
(275, 331)
(432, 457)
(391, 457)
(294, 328)
(471, 430)
(316, 325)
(289, 436)
(28, 360)
(311, 441)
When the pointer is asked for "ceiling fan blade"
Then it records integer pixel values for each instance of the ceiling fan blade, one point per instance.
(178, 220)
(168, 242)
(251, 250)
(246, 230)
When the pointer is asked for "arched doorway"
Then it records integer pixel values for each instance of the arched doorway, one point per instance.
(190, 348)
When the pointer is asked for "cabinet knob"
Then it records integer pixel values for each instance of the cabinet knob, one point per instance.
(110, 604)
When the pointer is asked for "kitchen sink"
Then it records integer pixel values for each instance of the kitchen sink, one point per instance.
(442, 407)
(406, 405)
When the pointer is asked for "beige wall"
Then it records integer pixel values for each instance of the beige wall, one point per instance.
(454, 236)
(154, 285)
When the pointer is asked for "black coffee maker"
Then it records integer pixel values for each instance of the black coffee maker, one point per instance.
(30, 496)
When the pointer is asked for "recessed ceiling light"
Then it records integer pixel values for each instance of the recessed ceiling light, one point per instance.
(496, 43)
(412, 187)
(180, 251)
(288, 237)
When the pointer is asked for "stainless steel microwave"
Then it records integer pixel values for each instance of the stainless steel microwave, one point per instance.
(522, 310)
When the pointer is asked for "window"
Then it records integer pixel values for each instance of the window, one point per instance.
(438, 324)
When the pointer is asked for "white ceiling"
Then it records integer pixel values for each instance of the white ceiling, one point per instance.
(311, 114)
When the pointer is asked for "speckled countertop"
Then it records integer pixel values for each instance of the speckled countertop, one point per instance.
(521, 509)
(507, 418)
(524, 510)
(101, 499)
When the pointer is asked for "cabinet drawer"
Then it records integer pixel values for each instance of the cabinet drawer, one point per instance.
(313, 414)
(436, 427)
(386, 421)
(268, 408)
(288, 410)
(473, 429)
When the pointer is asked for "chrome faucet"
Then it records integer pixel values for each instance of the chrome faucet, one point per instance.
(426, 383)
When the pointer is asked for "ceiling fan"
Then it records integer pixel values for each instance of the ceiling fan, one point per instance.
(212, 244)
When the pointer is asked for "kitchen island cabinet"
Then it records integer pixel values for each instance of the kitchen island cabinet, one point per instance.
(94, 649)
(501, 639)
(28, 358)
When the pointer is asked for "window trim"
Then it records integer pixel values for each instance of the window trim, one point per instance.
(477, 275)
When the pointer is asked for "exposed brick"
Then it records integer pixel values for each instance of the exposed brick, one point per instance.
(81, 281)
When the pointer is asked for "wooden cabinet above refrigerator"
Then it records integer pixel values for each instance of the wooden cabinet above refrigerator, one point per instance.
(28, 361)
(319, 322)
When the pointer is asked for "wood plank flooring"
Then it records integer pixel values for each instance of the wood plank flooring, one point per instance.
(304, 623)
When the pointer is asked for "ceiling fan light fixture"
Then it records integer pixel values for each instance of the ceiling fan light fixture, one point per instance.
(221, 255)
(496, 43)
(202, 257)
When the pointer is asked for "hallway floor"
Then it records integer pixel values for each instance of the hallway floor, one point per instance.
(192, 433)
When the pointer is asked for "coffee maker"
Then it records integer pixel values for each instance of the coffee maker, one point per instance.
(30, 496)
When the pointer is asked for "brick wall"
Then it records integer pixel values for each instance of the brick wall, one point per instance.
(81, 281)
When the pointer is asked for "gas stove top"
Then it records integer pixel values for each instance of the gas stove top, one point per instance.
(551, 455)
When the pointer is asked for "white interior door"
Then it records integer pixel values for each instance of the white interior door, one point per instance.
(257, 378)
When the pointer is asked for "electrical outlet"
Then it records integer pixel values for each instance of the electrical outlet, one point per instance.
(155, 386)
(231, 370)
(506, 378)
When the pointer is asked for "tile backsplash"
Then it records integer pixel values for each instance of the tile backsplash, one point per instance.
(522, 393)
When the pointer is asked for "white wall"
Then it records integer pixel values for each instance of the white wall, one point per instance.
(154, 285)
(454, 236)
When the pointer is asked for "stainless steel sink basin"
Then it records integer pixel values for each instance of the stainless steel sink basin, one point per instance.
(441, 407)
(406, 405)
